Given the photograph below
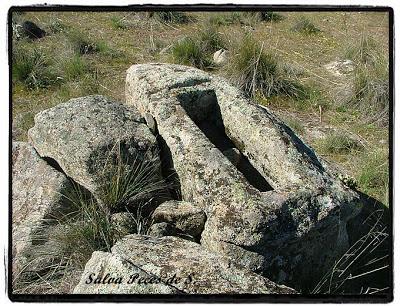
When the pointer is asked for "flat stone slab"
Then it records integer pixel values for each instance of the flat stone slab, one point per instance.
(278, 210)
(171, 265)
(84, 134)
(37, 195)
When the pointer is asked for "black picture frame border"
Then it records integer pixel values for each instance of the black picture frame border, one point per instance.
(200, 298)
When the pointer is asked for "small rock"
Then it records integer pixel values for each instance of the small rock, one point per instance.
(32, 31)
(220, 57)
(162, 229)
(183, 215)
(340, 67)
(123, 224)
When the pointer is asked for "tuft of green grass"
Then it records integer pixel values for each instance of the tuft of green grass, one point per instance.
(363, 268)
(222, 19)
(372, 174)
(210, 39)
(57, 26)
(170, 17)
(338, 143)
(304, 25)
(188, 51)
(131, 180)
(63, 245)
(370, 91)
(32, 68)
(82, 44)
(75, 67)
(255, 70)
(118, 23)
(295, 125)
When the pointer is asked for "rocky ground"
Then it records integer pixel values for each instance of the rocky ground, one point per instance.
(181, 182)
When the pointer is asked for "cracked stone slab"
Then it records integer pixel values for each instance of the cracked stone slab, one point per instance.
(180, 266)
(298, 210)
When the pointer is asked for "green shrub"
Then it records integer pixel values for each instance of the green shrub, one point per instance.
(254, 70)
(304, 25)
(221, 19)
(32, 68)
(188, 51)
(338, 143)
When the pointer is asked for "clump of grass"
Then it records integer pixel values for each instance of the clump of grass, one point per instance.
(370, 91)
(82, 44)
(363, 269)
(129, 180)
(255, 70)
(188, 51)
(196, 49)
(210, 39)
(74, 67)
(63, 245)
(221, 19)
(338, 143)
(118, 23)
(295, 125)
(253, 18)
(57, 26)
(32, 68)
(170, 17)
(372, 174)
(304, 25)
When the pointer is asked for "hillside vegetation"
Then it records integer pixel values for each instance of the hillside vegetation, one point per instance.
(278, 58)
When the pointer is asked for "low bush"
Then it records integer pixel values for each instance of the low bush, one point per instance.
(338, 143)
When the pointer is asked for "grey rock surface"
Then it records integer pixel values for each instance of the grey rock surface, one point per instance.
(85, 135)
(179, 265)
(162, 229)
(37, 195)
(184, 215)
(282, 214)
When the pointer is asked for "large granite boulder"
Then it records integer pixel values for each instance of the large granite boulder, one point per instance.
(169, 265)
(184, 215)
(278, 211)
(86, 135)
(38, 196)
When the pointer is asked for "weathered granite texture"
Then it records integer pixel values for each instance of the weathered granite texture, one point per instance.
(173, 265)
(184, 215)
(85, 134)
(279, 212)
(37, 194)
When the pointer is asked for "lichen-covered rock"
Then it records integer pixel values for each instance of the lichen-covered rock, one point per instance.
(184, 215)
(107, 273)
(123, 223)
(162, 229)
(85, 134)
(279, 212)
(37, 194)
(173, 264)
